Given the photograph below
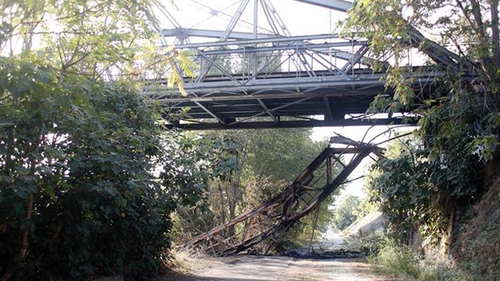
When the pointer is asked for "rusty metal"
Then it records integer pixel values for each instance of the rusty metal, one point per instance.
(301, 197)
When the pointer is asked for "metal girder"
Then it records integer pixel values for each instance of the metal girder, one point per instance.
(271, 40)
(274, 124)
(282, 87)
(225, 35)
(183, 33)
(435, 51)
(274, 19)
(328, 109)
(234, 20)
(264, 106)
(281, 101)
(211, 112)
(304, 195)
(266, 80)
(337, 5)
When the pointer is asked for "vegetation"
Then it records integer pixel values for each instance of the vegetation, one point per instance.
(79, 197)
(428, 182)
(91, 186)
(433, 176)
(347, 212)
(403, 263)
(478, 239)
(259, 164)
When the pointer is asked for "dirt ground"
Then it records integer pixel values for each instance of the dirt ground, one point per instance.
(253, 268)
(283, 268)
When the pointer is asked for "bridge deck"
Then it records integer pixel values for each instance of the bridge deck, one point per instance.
(269, 78)
(281, 100)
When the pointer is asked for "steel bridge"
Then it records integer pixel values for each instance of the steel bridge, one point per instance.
(267, 77)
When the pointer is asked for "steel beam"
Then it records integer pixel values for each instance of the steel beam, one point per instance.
(295, 124)
(275, 40)
(337, 5)
(206, 33)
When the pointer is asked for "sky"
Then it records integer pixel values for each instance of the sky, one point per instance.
(372, 134)
(299, 18)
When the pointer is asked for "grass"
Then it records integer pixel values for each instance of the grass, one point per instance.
(404, 264)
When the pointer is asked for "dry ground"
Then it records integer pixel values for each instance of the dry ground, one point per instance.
(253, 268)
(282, 268)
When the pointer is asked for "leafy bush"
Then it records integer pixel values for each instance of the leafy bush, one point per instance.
(77, 196)
(402, 262)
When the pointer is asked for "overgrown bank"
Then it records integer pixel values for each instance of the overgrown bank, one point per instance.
(462, 245)
(428, 185)
(477, 242)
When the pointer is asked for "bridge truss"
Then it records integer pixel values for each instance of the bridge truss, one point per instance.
(269, 78)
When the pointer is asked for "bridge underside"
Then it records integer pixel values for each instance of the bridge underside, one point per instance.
(284, 100)
(268, 78)
(280, 102)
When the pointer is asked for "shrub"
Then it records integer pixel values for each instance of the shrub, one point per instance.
(77, 196)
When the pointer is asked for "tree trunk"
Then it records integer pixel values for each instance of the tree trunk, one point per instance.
(231, 203)
(222, 208)
(23, 251)
(495, 33)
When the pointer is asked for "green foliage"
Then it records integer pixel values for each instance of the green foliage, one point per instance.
(349, 209)
(79, 198)
(478, 238)
(425, 182)
(192, 161)
(346, 212)
(76, 184)
(409, 188)
(401, 262)
(192, 164)
(279, 154)
(397, 259)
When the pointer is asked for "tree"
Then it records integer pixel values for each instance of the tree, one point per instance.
(410, 191)
(267, 160)
(346, 212)
(78, 145)
(74, 176)
(458, 120)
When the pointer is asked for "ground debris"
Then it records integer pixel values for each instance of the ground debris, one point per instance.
(331, 254)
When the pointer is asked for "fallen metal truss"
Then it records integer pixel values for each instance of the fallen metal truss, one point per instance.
(304, 195)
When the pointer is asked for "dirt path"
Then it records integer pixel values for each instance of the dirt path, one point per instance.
(254, 268)
(282, 268)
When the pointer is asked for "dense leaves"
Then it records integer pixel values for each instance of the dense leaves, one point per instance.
(79, 148)
(77, 196)
(424, 183)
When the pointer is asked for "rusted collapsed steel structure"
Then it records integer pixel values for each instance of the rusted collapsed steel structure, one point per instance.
(300, 198)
